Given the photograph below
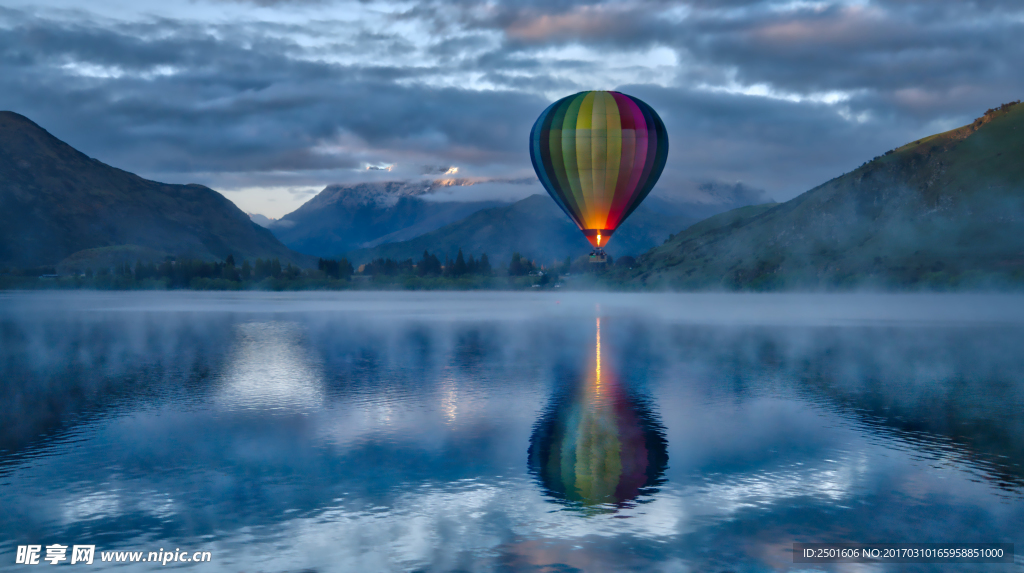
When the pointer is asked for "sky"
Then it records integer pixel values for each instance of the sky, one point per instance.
(269, 101)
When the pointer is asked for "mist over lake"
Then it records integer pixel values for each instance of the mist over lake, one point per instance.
(497, 431)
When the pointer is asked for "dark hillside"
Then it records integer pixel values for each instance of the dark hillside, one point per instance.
(56, 201)
(946, 211)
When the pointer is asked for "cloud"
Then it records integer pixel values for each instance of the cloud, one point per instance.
(601, 24)
(778, 95)
(713, 193)
(439, 169)
(953, 56)
(781, 146)
(241, 101)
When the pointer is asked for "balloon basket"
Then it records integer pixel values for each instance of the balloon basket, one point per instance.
(598, 256)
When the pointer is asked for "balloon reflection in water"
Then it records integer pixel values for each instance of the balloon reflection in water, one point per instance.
(597, 442)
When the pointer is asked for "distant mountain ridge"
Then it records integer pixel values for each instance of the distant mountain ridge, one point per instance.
(536, 228)
(382, 194)
(946, 211)
(56, 201)
(262, 220)
(363, 220)
(345, 217)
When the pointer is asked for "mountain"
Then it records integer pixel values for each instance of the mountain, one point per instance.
(539, 230)
(345, 217)
(262, 220)
(946, 211)
(55, 201)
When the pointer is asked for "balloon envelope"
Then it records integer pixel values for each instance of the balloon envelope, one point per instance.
(598, 154)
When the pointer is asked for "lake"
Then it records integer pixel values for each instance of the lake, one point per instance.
(391, 431)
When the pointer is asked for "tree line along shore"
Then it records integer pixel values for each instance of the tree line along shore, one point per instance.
(430, 272)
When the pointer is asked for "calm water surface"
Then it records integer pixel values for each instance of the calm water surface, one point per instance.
(509, 432)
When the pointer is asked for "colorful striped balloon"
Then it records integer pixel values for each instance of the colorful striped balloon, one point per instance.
(598, 154)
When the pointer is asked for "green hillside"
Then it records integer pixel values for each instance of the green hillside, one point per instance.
(55, 201)
(946, 211)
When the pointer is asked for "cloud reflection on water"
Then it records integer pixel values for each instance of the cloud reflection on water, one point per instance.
(270, 368)
(347, 439)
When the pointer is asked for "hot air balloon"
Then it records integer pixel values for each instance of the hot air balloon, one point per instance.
(597, 444)
(598, 154)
